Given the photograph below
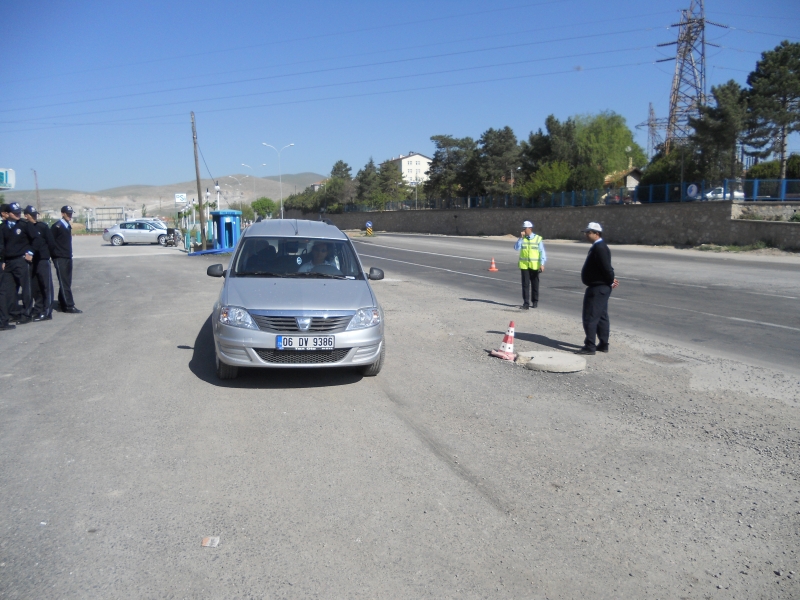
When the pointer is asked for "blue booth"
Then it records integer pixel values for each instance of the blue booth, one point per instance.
(227, 228)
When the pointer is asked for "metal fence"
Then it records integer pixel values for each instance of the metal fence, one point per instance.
(751, 190)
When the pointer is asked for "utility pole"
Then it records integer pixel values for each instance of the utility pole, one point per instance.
(199, 192)
(36, 181)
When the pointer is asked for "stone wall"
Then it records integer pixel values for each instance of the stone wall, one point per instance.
(689, 223)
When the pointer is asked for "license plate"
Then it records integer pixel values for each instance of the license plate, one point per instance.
(295, 342)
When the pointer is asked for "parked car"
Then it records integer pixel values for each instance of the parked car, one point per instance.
(135, 232)
(296, 296)
(718, 193)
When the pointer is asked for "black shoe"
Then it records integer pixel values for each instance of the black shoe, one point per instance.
(585, 350)
(524, 307)
(535, 305)
(7, 326)
(602, 347)
(23, 320)
(72, 310)
(38, 318)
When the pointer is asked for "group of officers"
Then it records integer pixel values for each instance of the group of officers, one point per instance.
(27, 246)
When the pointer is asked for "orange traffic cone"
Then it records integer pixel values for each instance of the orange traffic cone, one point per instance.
(506, 351)
(493, 267)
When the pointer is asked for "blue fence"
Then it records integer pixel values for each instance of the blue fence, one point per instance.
(749, 190)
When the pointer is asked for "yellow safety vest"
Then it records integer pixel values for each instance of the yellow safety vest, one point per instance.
(529, 256)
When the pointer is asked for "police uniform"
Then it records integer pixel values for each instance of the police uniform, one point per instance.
(62, 259)
(41, 273)
(17, 248)
(8, 290)
(597, 275)
(531, 260)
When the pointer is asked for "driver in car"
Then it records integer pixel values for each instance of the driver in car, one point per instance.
(320, 255)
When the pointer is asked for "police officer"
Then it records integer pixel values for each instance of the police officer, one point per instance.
(62, 259)
(18, 255)
(531, 262)
(41, 274)
(597, 275)
(7, 288)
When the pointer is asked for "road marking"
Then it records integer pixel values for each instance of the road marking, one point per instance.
(705, 287)
(772, 295)
(422, 252)
(126, 255)
(405, 262)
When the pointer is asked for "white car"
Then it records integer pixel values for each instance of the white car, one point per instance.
(718, 193)
(135, 232)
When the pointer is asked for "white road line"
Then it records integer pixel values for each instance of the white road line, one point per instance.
(422, 252)
(705, 287)
(437, 268)
(772, 295)
(125, 255)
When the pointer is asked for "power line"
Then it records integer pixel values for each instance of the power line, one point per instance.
(303, 39)
(327, 70)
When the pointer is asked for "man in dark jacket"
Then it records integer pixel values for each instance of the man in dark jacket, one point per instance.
(8, 290)
(62, 259)
(41, 274)
(17, 257)
(598, 277)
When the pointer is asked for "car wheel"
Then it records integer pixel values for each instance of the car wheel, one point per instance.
(162, 240)
(375, 368)
(226, 371)
(117, 241)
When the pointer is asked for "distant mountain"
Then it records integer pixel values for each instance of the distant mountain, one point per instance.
(160, 199)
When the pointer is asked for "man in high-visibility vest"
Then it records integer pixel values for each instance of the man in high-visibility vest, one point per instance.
(531, 262)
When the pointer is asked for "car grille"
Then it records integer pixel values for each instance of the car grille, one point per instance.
(289, 324)
(301, 357)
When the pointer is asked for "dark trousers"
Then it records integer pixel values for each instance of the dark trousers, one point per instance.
(8, 294)
(42, 278)
(530, 287)
(64, 274)
(20, 271)
(595, 315)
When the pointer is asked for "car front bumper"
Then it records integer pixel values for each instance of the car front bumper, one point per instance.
(251, 348)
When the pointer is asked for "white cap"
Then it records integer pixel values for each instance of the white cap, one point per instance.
(594, 227)
(527, 224)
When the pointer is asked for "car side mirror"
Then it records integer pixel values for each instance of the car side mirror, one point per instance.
(375, 274)
(215, 271)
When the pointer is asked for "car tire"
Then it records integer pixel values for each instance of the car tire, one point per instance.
(117, 241)
(162, 240)
(226, 371)
(375, 368)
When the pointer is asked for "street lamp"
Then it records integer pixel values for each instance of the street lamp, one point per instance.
(280, 171)
(254, 180)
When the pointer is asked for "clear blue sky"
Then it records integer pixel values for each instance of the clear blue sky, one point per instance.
(97, 94)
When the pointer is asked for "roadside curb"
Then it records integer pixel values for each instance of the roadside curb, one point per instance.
(551, 361)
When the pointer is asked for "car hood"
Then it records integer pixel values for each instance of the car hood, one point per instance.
(297, 294)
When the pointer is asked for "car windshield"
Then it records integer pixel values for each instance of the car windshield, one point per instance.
(297, 258)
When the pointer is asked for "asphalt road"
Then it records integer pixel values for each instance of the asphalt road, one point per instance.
(741, 307)
(654, 473)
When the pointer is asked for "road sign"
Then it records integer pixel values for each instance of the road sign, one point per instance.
(369, 223)
(369, 228)
(691, 191)
(7, 179)
(180, 198)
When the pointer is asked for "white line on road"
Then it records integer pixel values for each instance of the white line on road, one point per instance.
(705, 287)
(437, 268)
(125, 255)
(422, 252)
(772, 295)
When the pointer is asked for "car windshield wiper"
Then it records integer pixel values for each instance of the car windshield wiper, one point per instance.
(260, 274)
(319, 275)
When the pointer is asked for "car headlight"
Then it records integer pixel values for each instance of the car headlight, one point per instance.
(236, 317)
(365, 317)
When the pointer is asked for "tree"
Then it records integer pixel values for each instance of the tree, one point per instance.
(684, 159)
(771, 169)
(498, 160)
(245, 209)
(774, 101)
(719, 130)
(367, 184)
(452, 167)
(144, 210)
(551, 177)
(585, 177)
(534, 152)
(391, 182)
(341, 170)
(604, 141)
(264, 207)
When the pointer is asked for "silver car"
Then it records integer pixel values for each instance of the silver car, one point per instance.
(136, 232)
(296, 296)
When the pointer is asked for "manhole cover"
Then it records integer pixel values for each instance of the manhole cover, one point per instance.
(663, 358)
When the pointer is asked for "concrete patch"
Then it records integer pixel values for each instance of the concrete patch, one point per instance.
(551, 361)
